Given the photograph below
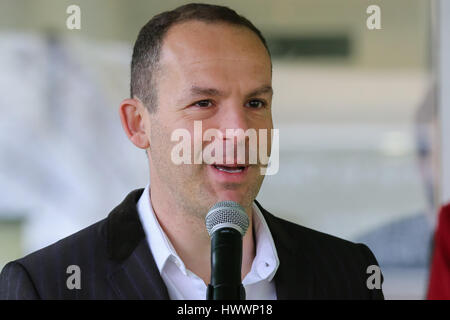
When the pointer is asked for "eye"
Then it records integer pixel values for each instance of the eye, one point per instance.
(203, 103)
(256, 104)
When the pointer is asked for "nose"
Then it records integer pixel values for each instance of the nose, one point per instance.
(233, 116)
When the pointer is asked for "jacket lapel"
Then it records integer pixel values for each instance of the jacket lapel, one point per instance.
(135, 275)
(134, 272)
(294, 278)
(138, 277)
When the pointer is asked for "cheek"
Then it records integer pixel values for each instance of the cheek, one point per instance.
(160, 144)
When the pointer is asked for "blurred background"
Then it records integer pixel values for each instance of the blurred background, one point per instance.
(357, 111)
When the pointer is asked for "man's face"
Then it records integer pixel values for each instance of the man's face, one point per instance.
(232, 61)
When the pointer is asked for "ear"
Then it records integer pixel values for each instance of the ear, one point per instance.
(133, 115)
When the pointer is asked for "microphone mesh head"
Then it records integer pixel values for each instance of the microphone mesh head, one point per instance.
(227, 214)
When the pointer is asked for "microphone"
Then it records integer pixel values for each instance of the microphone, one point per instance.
(226, 223)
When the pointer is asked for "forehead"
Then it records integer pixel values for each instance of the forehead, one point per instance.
(197, 45)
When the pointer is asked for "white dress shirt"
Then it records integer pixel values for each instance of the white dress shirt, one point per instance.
(183, 284)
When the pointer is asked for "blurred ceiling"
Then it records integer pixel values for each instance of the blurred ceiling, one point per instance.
(403, 41)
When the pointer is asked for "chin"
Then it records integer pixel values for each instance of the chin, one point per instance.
(239, 197)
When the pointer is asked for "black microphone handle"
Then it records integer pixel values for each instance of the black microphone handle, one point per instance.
(226, 264)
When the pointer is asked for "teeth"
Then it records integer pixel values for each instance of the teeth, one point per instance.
(228, 169)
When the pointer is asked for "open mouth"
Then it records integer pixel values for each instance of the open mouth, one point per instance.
(229, 169)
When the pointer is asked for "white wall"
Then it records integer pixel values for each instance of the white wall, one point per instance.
(444, 96)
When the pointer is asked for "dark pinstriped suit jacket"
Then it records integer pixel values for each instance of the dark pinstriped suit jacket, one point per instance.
(116, 263)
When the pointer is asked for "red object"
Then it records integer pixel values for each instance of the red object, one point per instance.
(439, 285)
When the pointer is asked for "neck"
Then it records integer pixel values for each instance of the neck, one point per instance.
(189, 237)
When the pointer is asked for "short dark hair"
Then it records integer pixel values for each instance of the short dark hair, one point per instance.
(147, 48)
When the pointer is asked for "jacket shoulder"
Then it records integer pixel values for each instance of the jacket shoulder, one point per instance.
(301, 234)
(43, 273)
(84, 240)
(316, 241)
(339, 268)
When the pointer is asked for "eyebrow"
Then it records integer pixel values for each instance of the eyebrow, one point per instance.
(198, 91)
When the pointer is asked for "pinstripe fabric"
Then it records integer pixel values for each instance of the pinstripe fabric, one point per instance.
(116, 263)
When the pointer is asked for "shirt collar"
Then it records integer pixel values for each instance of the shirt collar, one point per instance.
(266, 260)
(265, 263)
(159, 243)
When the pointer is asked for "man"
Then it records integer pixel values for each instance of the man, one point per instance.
(439, 277)
(197, 63)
